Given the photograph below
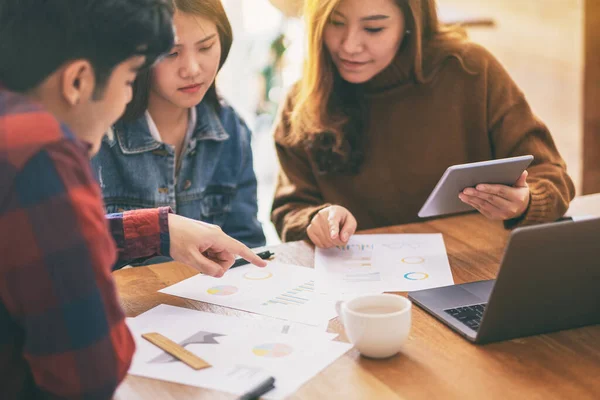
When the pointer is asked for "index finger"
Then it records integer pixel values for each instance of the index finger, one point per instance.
(206, 266)
(349, 228)
(224, 258)
(334, 220)
(238, 248)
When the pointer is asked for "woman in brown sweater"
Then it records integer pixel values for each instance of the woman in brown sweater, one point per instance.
(389, 99)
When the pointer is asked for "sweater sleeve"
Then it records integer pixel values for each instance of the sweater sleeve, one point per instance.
(514, 130)
(140, 233)
(297, 195)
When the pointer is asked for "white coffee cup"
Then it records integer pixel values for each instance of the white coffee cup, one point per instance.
(377, 325)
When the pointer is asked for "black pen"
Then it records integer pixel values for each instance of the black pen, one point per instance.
(263, 388)
(265, 255)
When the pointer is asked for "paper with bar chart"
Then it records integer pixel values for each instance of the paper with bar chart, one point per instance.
(383, 263)
(242, 352)
(278, 290)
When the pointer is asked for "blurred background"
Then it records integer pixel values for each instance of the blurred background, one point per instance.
(542, 43)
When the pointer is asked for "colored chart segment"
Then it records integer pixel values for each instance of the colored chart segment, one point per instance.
(297, 296)
(224, 290)
(258, 275)
(357, 262)
(273, 350)
(416, 276)
(413, 260)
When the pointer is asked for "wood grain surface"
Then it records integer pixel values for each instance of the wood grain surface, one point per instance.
(435, 364)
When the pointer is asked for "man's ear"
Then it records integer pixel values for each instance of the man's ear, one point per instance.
(77, 82)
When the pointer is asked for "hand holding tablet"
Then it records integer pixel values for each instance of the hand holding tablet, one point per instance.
(499, 202)
(496, 188)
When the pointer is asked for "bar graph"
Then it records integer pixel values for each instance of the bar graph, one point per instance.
(402, 246)
(362, 277)
(356, 247)
(297, 296)
(244, 372)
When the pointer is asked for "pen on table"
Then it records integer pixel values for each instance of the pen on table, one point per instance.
(265, 255)
(263, 388)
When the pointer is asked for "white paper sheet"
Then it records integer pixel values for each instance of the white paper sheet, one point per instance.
(241, 356)
(275, 326)
(278, 290)
(383, 263)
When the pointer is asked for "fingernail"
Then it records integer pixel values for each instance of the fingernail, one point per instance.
(481, 187)
(344, 236)
(333, 234)
(469, 191)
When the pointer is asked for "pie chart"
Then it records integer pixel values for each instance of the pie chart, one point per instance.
(273, 350)
(416, 276)
(222, 290)
(413, 260)
(258, 275)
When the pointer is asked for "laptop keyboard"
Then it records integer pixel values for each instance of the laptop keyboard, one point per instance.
(469, 315)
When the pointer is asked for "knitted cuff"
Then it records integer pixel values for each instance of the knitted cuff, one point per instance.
(296, 224)
(540, 208)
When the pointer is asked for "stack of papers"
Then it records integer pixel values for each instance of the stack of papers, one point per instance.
(383, 263)
(278, 290)
(242, 352)
(294, 347)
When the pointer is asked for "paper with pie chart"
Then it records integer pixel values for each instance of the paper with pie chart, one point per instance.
(384, 263)
(241, 351)
(278, 290)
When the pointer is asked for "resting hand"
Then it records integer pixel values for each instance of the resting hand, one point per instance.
(205, 247)
(499, 202)
(332, 226)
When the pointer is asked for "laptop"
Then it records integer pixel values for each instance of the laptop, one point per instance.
(549, 280)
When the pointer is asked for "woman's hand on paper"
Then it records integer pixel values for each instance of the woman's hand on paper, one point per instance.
(206, 247)
(499, 202)
(332, 226)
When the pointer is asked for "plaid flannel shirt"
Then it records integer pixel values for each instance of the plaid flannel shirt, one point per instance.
(62, 330)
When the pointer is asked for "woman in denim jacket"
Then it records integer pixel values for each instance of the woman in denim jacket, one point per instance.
(179, 144)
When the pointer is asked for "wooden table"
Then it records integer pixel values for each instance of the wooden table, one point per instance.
(436, 362)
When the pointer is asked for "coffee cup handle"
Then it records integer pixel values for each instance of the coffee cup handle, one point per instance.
(338, 310)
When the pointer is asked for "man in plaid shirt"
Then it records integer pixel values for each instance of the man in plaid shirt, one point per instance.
(66, 72)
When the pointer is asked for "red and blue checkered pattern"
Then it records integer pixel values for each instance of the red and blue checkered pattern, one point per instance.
(62, 330)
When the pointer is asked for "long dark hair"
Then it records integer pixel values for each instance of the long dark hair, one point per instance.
(210, 9)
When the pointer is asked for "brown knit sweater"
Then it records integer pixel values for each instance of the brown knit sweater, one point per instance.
(471, 110)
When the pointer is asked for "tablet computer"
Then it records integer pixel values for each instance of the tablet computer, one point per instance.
(444, 198)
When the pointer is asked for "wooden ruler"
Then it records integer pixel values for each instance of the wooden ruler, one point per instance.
(176, 350)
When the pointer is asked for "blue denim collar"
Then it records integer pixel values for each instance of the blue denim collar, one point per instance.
(134, 137)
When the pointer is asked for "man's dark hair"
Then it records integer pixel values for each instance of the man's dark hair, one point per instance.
(39, 36)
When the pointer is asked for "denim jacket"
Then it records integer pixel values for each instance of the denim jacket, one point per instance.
(216, 181)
